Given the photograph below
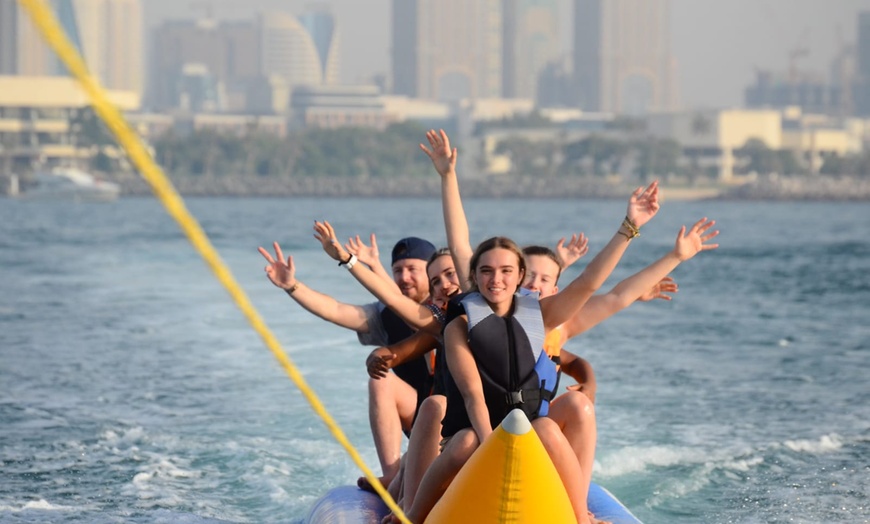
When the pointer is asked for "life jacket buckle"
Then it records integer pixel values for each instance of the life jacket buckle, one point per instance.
(515, 397)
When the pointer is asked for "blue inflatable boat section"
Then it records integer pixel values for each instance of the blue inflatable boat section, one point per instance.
(351, 505)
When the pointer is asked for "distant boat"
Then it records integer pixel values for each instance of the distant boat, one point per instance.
(65, 183)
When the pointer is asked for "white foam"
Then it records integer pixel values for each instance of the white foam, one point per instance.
(40, 504)
(126, 436)
(826, 443)
(677, 487)
(634, 459)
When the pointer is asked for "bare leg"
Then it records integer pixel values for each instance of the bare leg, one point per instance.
(423, 445)
(396, 487)
(574, 414)
(392, 403)
(566, 464)
(439, 476)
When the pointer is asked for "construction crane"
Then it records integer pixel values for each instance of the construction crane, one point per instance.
(800, 50)
(208, 7)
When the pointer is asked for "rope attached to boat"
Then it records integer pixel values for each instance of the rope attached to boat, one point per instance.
(53, 33)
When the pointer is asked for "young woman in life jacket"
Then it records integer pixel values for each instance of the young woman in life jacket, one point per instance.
(497, 270)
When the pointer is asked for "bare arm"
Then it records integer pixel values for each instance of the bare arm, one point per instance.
(416, 315)
(282, 273)
(455, 222)
(464, 371)
(688, 244)
(559, 308)
(581, 371)
(382, 359)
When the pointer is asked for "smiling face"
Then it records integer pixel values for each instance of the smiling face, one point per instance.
(410, 275)
(542, 275)
(498, 276)
(443, 281)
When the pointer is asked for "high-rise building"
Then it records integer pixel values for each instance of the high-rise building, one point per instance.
(323, 32)
(8, 37)
(403, 52)
(193, 62)
(622, 56)
(300, 50)
(32, 56)
(862, 87)
(447, 49)
(107, 33)
(530, 41)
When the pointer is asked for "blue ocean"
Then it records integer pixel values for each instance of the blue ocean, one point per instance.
(133, 390)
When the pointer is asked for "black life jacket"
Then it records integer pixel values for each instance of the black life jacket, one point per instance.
(514, 369)
(415, 372)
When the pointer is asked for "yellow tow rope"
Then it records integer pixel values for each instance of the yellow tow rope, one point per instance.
(53, 33)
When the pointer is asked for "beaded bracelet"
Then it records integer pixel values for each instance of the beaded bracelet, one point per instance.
(629, 224)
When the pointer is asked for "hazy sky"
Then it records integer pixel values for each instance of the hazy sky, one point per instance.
(718, 44)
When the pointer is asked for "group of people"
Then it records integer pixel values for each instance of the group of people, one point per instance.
(466, 335)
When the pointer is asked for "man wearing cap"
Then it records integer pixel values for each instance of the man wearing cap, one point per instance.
(393, 401)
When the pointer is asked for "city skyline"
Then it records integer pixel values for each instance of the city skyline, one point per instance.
(715, 61)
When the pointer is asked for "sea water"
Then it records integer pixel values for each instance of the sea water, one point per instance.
(133, 390)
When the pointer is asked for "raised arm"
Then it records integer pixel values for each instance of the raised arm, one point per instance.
(577, 247)
(282, 273)
(559, 308)
(455, 222)
(416, 315)
(464, 371)
(598, 308)
(370, 256)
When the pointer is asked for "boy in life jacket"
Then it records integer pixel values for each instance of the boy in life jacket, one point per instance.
(543, 269)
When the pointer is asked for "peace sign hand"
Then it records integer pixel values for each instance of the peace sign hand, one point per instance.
(282, 273)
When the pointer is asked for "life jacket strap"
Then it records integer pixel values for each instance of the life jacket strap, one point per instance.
(528, 395)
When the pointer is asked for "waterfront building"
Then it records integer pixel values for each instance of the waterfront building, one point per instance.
(622, 56)
(710, 137)
(330, 107)
(38, 120)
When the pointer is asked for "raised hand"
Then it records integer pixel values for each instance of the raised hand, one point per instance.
(324, 233)
(442, 157)
(378, 362)
(643, 204)
(577, 247)
(282, 273)
(368, 255)
(690, 243)
(660, 290)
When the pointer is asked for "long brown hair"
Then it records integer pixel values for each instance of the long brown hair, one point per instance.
(495, 243)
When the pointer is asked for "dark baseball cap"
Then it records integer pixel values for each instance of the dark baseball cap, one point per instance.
(412, 247)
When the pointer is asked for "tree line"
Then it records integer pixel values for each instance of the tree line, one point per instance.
(392, 152)
(351, 152)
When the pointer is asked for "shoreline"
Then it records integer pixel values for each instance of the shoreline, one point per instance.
(770, 188)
